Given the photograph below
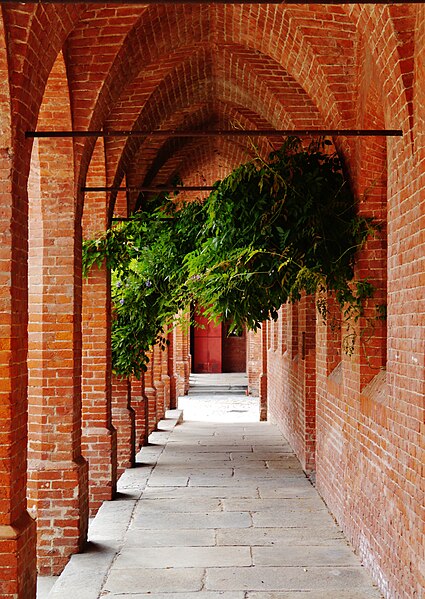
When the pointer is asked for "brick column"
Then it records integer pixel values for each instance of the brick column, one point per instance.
(166, 379)
(182, 359)
(57, 485)
(308, 357)
(159, 383)
(17, 528)
(139, 404)
(99, 436)
(123, 418)
(263, 375)
(150, 392)
(171, 371)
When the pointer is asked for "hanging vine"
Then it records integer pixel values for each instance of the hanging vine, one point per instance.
(269, 231)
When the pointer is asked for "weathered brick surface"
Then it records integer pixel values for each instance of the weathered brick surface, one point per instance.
(197, 66)
(370, 407)
(17, 529)
(57, 485)
(99, 440)
(138, 425)
(151, 392)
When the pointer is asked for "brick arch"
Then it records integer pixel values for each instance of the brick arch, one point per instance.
(377, 26)
(285, 44)
(167, 159)
(157, 162)
(36, 36)
(204, 162)
(284, 102)
(193, 82)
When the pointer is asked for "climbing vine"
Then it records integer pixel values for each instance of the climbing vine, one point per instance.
(268, 232)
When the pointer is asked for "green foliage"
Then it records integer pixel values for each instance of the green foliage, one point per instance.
(145, 255)
(274, 230)
(268, 232)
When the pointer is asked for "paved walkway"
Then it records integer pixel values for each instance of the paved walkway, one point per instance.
(215, 511)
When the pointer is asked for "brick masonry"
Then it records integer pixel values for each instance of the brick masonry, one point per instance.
(357, 422)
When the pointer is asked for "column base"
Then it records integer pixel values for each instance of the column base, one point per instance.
(124, 421)
(58, 496)
(99, 447)
(18, 562)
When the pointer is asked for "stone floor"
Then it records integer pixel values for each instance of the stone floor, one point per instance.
(215, 510)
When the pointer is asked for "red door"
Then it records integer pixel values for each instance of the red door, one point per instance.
(207, 350)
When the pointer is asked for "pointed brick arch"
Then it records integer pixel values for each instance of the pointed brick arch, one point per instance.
(163, 29)
(194, 82)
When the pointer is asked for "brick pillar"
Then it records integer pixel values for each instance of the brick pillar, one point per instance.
(166, 379)
(123, 421)
(254, 352)
(179, 365)
(182, 359)
(171, 371)
(17, 528)
(187, 356)
(139, 404)
(99, 439)
(150, 392)
(57, 485)
(159, 383)
(308, 358)
(263, 375)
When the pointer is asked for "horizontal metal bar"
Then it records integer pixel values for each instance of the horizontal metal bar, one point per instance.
(141, 3)
(150, 189)
(222, 133)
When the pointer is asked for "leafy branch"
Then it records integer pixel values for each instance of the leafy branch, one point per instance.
(267, 233)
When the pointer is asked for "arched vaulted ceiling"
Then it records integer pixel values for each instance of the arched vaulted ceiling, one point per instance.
(196, 67)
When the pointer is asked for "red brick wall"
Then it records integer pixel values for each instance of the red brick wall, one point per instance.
(291, 378)
(370, 420)
(354, 65)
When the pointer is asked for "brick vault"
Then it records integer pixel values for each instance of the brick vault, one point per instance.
(68, 427)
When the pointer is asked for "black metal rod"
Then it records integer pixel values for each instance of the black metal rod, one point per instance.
(150, 189)
(222, 133)
(144, 2)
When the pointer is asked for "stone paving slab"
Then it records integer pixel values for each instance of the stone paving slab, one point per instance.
(184, 557)
(300, 518)
(291, 488)
(287, 555)
(331, 580)
(240, 479)
(188, 493)
(216, 511)
(150, 580)
(312, 504)
(159, 480)
(171, 538)
(189, 595)
(198, 471)
(198, 505)
(351, 594)
(170, 521)
(276, 536)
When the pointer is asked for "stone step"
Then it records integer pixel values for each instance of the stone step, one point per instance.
(218, 390)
